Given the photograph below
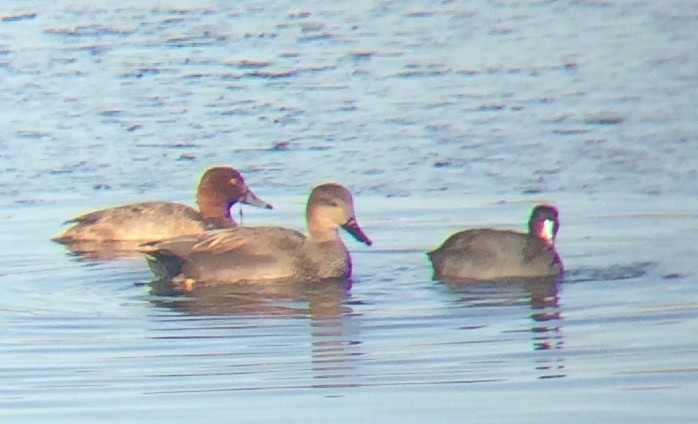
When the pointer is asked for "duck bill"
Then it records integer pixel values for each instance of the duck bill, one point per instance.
(352, 227)
(547, 231)
(251, 199)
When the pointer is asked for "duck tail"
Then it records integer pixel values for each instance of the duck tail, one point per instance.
(164, 264)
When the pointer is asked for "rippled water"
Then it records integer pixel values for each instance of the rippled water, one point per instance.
(439, 116)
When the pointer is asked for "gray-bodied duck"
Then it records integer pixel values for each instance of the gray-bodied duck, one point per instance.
(487, 254)
(219, 189)
(266, 254)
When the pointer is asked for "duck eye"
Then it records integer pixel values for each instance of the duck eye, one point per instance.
(233, 181)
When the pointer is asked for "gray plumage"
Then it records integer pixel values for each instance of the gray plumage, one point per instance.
(266, 254)
(488, 254)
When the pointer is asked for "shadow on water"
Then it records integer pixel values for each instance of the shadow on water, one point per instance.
(333, 338)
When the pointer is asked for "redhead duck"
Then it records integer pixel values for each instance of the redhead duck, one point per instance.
(219, 189)
(486, 254)
(266, 254)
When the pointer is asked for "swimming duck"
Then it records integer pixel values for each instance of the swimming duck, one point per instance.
(219, 189)
(487, 254)
(266, 254)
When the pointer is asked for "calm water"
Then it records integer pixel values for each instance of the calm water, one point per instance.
(439, 116)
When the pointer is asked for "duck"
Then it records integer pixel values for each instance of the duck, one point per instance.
(490, 254)
(266, 254)
(219, 189)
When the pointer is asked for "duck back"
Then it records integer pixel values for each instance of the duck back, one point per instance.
(267, 254)
(138, 221)
(486, 254)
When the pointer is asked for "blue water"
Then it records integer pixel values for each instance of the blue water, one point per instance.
(439, 117)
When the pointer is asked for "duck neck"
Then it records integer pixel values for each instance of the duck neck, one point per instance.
(319, 231)
(214, 208)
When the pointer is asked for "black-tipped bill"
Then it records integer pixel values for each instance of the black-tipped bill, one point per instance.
(352, 227)
(251, 199)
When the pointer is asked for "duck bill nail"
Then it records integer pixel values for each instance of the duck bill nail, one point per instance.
(251, 199)
(352, 227)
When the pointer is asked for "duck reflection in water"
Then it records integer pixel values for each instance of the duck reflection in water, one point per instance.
(541, 299)
(285, 300)
(336, 348)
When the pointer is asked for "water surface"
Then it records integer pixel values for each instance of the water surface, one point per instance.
(438, 116)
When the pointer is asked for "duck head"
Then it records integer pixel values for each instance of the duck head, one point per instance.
(330, 207)
(544, 223)
(220, 188)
